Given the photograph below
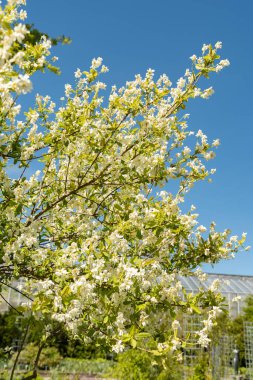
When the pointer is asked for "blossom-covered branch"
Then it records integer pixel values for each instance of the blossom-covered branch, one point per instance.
(98, 248)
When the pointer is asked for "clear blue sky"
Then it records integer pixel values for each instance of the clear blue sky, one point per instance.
(134, 35)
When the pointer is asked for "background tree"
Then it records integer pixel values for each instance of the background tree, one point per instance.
(83, 223)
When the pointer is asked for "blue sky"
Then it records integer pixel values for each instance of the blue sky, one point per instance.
(134, 35)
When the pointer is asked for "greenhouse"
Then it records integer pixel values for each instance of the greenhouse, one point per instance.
(236, 288)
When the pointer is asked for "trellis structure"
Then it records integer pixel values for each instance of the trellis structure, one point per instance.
(248, 343)
(222, 356)
(222, 353)
(190, 326)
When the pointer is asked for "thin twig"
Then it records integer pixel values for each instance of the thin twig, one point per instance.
(17, 290)
(10, 304)
(20, 349)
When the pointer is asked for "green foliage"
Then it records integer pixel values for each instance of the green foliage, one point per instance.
(31, 44)
(172, 370)
(49, 356)
(12, 326)
(201, 369)
(89, 367)
(234, 328)
(34, 36)
(9, 330)
(248, 309)
(141, 365)
(135, 365)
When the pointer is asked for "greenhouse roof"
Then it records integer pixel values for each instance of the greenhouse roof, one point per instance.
(230, 284)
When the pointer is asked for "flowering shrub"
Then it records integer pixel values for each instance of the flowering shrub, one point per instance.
(98, 247)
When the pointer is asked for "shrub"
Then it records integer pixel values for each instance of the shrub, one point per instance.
(140, 365)
(49, 356)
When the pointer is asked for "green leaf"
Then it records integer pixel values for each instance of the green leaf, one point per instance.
(126, 338)
(156, 352)
(142, 335)
(141, 307)
(133, 342)
(139, 234)
(196, 309)
(65, 291)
